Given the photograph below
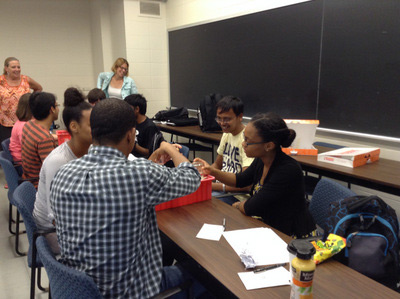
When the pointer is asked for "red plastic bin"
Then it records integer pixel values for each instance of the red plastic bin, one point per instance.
(63, 136)
(201, 194)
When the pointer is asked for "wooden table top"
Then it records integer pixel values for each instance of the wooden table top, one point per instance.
(181, 225)
(383, 175)
(192, 132)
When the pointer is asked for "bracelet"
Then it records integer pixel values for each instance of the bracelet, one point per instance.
(223, 188)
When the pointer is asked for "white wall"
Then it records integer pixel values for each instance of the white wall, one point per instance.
(147, 53)
(182, 13)
(52, 39)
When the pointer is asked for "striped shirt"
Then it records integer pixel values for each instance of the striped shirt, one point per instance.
(105, 218)
(37, 143)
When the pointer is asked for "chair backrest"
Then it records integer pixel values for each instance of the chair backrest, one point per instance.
(65, 282)
(155, 143)
(5, 144)
(24, 198)
(326, 192)
(11, 175)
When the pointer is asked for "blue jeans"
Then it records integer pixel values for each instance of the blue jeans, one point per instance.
(225, 197)
(173, 276)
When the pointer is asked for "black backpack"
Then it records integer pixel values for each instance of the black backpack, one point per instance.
(371, 228)
(177, 117)
(207, 112)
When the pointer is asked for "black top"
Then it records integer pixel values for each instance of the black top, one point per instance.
(280, 201)
(145, 133)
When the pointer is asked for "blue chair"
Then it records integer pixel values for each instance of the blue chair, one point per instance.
(326, 192)
(13, 180)
(312, 181)
(65, 282)
(184, 151)
(24, 198)
(5, 144)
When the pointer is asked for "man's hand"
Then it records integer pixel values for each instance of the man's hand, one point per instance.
(160, 155)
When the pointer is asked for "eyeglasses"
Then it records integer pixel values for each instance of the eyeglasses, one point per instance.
(223, 120)
(246, 144)
(124, 68)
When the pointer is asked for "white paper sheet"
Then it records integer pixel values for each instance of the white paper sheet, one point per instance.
(271, 278)
(265, 246)
(210, 232)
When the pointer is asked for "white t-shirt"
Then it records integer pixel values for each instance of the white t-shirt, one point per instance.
(231, 149)
(114, 93)
(42, 212)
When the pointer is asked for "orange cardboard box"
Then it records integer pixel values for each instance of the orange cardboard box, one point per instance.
(350, 157)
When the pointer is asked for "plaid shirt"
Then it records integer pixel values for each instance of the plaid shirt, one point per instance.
(106, 222)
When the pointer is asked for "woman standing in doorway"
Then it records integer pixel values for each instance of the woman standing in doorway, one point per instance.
(12, 86)
(117, 84)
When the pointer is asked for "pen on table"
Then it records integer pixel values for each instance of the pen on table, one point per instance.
(269, 268)
(224, 223)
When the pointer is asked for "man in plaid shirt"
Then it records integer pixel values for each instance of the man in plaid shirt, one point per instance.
(104, 207)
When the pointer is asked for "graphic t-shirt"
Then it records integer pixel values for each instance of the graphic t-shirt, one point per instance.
(231, 149)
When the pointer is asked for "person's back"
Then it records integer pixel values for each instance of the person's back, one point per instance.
(23, 114)
(37, 142)
(76, 117)
(104, 208)
(15, 147)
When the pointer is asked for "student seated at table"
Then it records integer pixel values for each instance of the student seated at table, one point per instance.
(146, 130)
(37, 142)
(95, 95)
(24, 114)
(277, 195)
(76, 117)
(231, 156)
(104, 207)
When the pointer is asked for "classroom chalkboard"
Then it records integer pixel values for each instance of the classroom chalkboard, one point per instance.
(335, 60)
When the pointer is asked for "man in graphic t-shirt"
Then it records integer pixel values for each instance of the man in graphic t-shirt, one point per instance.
(231, 156)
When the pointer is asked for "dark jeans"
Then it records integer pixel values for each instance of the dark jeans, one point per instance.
(225, 197)
(173, 276)
(5, 132)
